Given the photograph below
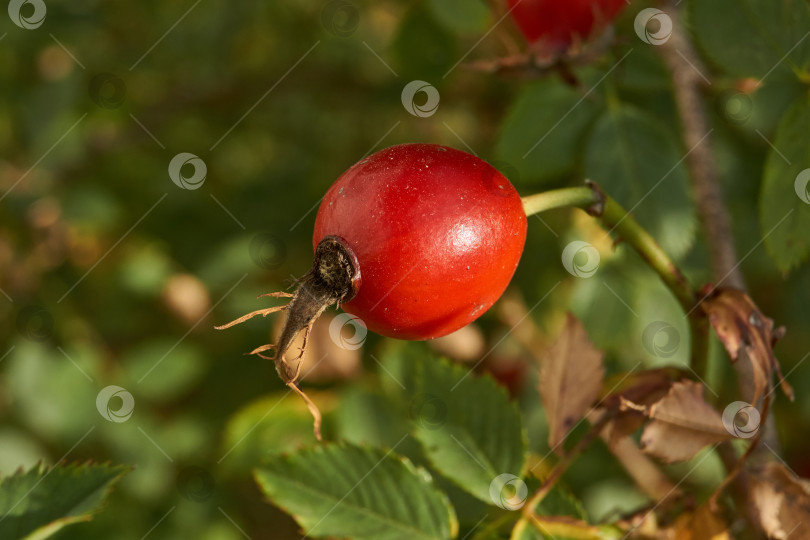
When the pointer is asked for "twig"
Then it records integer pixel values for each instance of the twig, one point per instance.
(644, 472)
(688, 83)
(513, 312)
(687, 80)
(550, 481)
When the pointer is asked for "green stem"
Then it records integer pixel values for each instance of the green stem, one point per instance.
(579, 197)
(628, 229)
(591, 199)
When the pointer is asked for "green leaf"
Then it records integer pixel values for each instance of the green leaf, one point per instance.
(754, 37)
(637, 161)
(558, 502)
(39, 502)
(351, 491)
(366, 416)
(561, 502)
(760, 109)
(397, 372)
(784, 216)
(469, 430)
(609, 326)
(461, 16)
(643, 71)
(272, 424)
(543, 131)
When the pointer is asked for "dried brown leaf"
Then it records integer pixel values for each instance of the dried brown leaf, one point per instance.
(702, 524)
(623, 425)
(570, 380)
(645, 387)
(682, 424)
(745, 331)
(640, 388)
(782, 501)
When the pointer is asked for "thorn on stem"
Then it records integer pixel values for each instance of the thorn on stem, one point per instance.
(259, 350)
(598, 207)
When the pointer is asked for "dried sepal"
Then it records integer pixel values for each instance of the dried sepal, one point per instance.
(333, 278)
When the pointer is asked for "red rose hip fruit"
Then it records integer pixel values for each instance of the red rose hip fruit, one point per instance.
(436, 234)
(417, 240)
(561, 22)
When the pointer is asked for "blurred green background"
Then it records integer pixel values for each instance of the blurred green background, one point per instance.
(113, 275)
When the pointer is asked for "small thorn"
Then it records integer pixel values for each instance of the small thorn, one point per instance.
(243, 318)
(259, 350)
(277, 295)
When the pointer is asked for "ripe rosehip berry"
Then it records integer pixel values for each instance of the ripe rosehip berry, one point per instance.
(417, 240)
(559, 23)
(436, 233)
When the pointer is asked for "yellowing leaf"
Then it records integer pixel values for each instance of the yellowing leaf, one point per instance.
(565, 527)
(570, 380)
(702, 524)
(682, 424)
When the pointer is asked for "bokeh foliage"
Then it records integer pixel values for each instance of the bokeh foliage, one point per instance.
(226, 84)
